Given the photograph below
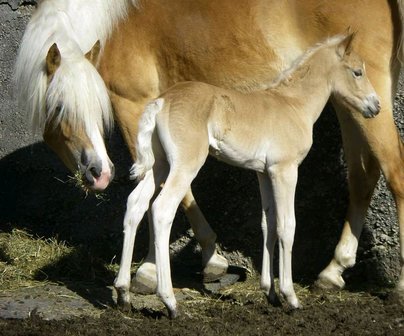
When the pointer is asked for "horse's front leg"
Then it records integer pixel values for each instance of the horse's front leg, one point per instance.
(364, 173)
(284, 179)
(369, 145)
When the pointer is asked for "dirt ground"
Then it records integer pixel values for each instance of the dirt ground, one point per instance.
(242, 310)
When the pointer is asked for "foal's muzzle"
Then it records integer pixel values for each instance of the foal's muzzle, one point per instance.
(371, 106)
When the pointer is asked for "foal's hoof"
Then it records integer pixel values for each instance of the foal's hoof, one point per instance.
(123, 302)
(273, 299)
(172, 314)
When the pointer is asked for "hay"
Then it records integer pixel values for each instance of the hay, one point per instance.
(77, 181)
(23, 257)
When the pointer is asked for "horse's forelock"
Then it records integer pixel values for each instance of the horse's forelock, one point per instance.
(75, 25)
(77, 95)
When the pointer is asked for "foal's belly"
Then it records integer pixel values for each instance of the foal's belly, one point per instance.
(238, 158)
(239, 153)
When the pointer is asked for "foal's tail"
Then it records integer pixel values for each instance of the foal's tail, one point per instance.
(144, 149)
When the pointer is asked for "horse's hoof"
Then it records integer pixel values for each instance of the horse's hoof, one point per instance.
(215, 269)
(326, 282)
(144, 281)
(140, 286)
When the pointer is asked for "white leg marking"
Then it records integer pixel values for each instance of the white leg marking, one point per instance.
(138, 203)
(284, 181)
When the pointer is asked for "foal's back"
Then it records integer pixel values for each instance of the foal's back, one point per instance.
(235, 127)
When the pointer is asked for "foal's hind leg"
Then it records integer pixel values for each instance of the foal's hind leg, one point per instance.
(127, 113)
(215, 266)
(369, 144)
(137, 204)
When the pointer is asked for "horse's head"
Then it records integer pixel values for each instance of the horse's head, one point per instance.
(77, 109)
(351, 84)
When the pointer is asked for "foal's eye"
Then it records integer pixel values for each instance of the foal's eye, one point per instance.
(357, 73)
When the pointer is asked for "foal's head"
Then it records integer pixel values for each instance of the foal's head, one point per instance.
(77, 108)
(351, 85)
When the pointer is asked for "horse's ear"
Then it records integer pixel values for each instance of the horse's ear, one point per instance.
(94, 53)
(53, 60)
(345, 46)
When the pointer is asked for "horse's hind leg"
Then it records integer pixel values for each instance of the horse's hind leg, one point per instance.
(369, 144)
(215, 266)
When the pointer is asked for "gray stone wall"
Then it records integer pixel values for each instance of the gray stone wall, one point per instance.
(35, 195)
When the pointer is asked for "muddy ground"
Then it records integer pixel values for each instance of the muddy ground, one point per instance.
(242, 311)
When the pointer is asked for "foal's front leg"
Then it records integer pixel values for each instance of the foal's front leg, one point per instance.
(268, 225)
(284, 179)
(163, 211)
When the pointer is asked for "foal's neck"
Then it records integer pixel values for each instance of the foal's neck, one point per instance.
(307, 89)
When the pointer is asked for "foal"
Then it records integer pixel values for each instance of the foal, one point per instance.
(269, 131)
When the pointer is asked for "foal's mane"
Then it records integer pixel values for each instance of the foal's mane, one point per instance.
(74, 25)
(302, 59)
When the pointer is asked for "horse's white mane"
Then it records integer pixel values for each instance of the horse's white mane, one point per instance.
(74, 25)
(298, 62)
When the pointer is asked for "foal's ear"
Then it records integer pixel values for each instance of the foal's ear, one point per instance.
(94, 53)
(345, 46)
(53, 60)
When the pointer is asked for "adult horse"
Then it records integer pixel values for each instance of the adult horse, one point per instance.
(241, 46)
(246, 44)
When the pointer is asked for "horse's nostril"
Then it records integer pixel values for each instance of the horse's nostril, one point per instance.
(95, 171)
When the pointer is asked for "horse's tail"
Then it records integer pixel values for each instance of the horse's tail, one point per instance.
(400, 51)
(144, 148)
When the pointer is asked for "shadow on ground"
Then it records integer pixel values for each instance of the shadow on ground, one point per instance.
(36, 196)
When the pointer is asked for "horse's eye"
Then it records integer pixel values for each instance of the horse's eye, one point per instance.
(357, 73)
